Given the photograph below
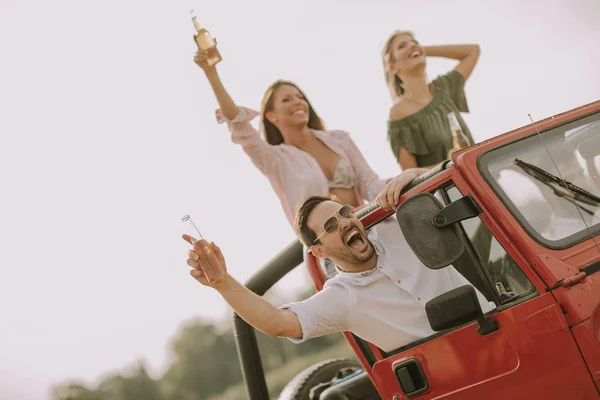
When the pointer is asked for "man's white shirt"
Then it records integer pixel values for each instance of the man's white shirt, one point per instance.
(386, 305)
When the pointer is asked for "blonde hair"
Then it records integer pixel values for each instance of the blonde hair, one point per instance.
(393, 81)
(271, 133)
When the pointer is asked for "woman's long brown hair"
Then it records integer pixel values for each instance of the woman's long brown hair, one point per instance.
(271, 133)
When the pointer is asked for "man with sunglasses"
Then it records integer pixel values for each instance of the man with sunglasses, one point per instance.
(380, 290)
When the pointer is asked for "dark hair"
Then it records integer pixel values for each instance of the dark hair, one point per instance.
(305, 234)
(270, 132)
(392, 80)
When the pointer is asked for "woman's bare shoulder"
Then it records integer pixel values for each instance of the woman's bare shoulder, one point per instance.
(398, 111)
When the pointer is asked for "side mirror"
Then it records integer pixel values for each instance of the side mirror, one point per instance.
(436, 247)
(457, 307)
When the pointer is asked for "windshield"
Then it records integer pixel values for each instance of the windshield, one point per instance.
(528, 176)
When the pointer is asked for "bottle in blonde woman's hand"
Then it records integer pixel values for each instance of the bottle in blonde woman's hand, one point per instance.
(206, 42)
(214, 266)
(459, 139)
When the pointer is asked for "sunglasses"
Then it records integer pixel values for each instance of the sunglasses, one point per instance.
(332, 224)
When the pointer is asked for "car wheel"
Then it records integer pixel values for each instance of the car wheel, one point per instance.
(299, 388)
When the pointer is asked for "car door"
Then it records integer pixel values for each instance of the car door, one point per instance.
(531, 355)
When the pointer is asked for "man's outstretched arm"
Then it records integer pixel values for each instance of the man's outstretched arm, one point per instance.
(252, 308)
(258, 312)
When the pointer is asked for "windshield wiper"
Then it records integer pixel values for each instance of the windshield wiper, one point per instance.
(562, 188)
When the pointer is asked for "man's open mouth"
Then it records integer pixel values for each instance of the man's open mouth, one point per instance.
(355, 239)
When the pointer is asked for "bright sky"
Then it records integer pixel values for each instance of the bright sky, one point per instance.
(108, 137)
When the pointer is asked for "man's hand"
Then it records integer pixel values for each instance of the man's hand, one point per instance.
(207, 262)
(390, 194)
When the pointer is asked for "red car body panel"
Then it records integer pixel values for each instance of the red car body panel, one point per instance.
(546, 347)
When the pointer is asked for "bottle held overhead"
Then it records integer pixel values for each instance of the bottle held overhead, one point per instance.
(206, 42)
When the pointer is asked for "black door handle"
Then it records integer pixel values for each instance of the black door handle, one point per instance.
(411, 377)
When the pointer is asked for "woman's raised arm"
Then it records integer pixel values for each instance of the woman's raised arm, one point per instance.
(467, 54)
(228, 107)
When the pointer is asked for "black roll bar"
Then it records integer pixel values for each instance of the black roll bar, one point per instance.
(245, 337)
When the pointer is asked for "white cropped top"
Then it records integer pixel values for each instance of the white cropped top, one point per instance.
(343, 176)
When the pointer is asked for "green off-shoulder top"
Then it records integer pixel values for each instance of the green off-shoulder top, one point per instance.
(426, 133)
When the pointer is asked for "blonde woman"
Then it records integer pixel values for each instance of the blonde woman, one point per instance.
(418, 127)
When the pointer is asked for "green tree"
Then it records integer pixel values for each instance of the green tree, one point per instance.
(141, 386)
(205, 362)
(136, 385)
(74, 391)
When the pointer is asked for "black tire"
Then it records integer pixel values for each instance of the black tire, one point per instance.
(299, 387)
